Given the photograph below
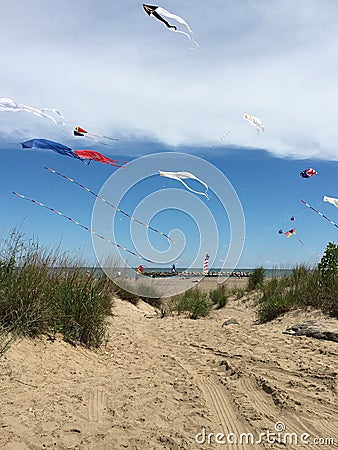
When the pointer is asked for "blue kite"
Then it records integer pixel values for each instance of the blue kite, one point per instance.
(50, 145)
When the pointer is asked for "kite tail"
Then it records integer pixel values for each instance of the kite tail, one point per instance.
(188, 36)
(111, 139)
(308, 248)
(96, 139)
(83, 226)
(55, 111)
(321, 214)
(106, 137)
(109, 204)
(196, 192)
(180, 20)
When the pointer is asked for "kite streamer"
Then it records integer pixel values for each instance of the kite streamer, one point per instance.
(332, 200)
(51, 145)
(109, 204)
(7, 104)
(179, 176)
(91, 155)
(83, 226)
(321, 214)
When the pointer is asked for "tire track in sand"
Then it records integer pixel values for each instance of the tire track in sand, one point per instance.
(96, 405)
(219, 402)
(259, 401)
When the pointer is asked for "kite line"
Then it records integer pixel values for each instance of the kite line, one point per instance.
(321, 214)
(83, 226)
(109, 204)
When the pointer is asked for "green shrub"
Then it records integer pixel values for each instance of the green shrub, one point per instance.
(256, 278)
(193, 302)
(328, 266)
(219, 296)
(275, 306)
(304, 287)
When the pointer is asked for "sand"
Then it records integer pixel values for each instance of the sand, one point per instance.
(159, 382)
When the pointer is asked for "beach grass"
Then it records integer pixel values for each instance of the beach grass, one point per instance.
(43, 292)
(256, 278)
(305, 287)
(219, 296)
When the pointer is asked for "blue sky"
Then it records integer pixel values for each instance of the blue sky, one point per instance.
(114, 70)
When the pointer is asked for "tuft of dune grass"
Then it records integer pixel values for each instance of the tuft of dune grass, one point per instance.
(42, 292)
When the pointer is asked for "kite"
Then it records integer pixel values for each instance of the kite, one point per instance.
(179, 176)
(290, 232)
(109, 204)
(96, 156)
(79, 131)
(158, 13)
(292, 218)
(83, 226)
(293, 232)
(308, 173)
(333, 201)
(50, 145)
(321, 214)
(7, 104)
(255, 121)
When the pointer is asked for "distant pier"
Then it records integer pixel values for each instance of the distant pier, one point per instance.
(197, 274)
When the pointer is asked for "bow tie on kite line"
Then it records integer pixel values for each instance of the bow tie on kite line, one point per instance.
(109, 204)
(83, 226)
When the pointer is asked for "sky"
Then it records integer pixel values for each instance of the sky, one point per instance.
(114, 70)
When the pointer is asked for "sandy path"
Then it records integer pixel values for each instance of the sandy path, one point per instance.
(159, 382)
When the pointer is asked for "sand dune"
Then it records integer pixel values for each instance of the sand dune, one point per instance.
(160, 383)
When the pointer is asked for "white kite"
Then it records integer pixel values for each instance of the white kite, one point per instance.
(159, 13)
(7, 104)
(180, 176)
(255, 121)
(333, 201)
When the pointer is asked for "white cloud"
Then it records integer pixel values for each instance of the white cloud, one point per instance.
(110, 67)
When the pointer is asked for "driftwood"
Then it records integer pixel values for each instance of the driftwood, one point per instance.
(312, 329)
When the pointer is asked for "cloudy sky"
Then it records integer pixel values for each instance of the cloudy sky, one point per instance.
(109, 67)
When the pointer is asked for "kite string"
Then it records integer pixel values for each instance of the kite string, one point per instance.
(320, 213)
(108, 203)
(227, 133)
(83, 226)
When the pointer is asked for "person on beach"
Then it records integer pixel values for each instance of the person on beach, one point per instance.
(173, 271)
